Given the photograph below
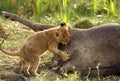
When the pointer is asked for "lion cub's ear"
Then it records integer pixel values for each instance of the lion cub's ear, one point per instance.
(63, 24)
(66, 25)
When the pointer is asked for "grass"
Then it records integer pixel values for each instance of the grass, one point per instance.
(65, 9)
(105, 5)
(38, 7)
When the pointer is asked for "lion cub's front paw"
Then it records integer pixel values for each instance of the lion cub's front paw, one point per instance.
(65, 57)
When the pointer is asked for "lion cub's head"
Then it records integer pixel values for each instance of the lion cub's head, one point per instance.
(62, 34)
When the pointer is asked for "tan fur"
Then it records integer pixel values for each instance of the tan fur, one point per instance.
(37, 44)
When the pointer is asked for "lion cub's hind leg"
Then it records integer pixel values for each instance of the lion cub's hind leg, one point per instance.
(25, 67)
(34, 63)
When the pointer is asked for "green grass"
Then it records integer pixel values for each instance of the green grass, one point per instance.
(65, 9)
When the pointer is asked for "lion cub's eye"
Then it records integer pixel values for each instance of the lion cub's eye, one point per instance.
(56, 33)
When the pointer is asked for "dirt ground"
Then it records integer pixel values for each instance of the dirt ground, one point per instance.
(10, 68)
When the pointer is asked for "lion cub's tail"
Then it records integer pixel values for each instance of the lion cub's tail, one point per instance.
(7, 52)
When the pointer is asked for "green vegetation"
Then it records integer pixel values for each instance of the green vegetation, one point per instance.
(85, 13)
(62, 10)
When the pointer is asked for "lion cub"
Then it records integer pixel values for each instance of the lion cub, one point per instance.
(37, 44)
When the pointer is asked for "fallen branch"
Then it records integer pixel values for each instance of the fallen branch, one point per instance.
(34, 26)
